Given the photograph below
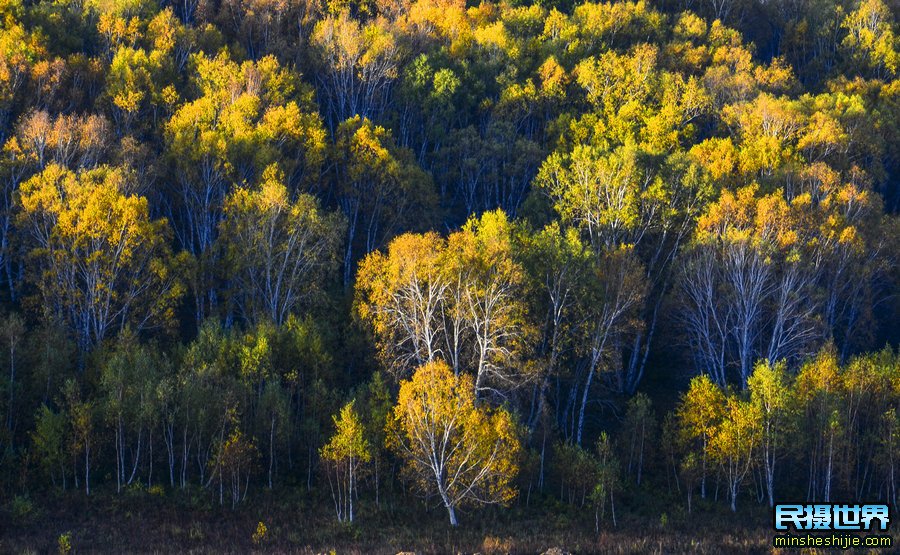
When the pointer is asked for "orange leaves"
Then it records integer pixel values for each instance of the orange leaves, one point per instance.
(775, 222)
(718, 156)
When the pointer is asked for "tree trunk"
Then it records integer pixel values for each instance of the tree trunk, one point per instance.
(271, 450)
(640, 467)
(119, 448)
(612, 506)
(734, 490)
(87, 469)
(453, 522)
(770, 479)
(12, 388)
(584, 400)
(350, 493)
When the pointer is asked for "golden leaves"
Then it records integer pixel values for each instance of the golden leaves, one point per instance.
(101, 255)
(483, 444)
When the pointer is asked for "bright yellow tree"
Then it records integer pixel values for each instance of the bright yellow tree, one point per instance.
(401, 293)
(732, 447)
(346, 451)
(465, 454)
(102, 263)
(699, 415)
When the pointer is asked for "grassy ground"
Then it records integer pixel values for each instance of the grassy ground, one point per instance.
(138, 522)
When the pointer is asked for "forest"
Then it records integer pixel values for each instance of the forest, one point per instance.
(444, 275)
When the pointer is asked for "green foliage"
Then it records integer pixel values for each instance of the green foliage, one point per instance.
(49, 440)
(22, 508)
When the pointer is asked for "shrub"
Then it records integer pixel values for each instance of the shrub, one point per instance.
(64, 543)
(259, 536)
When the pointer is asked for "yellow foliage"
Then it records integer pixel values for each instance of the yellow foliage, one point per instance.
(436, 408)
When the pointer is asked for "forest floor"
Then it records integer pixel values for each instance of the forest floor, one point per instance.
(138, 522)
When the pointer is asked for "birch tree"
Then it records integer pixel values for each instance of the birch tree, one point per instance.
(734, 443)
(403, 294)
(246, 117)
(102, 263)
(770, 395)
(358, 65)
(491, 280)
(347, 450)
(461, 452)
(281, 251)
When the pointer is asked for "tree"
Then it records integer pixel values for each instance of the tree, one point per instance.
(262, 26)
(403, 294)
(700, 413)
(139, 87)
(39, 140)
(612, 296)
(727, 281)
(732, 446)
(346, 451)
(102, 263)
(452, 448)
(818, 391)
(639, 432)
(558, 264)
(489, 281)
(628, 199)
(12, 330)
(458, 299)
(81, 413)
(358, 63)
(871, 39)
(690, 473)
(246, 118)
(771, 398)
(578, 473)
(129, 376)
(607, 479)
(769, 276)
(207, 393)
(19, 50)
(281, 250)
(380, 188)
(48, 439)
(274, 417)
(233, 464)
(377, 406)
